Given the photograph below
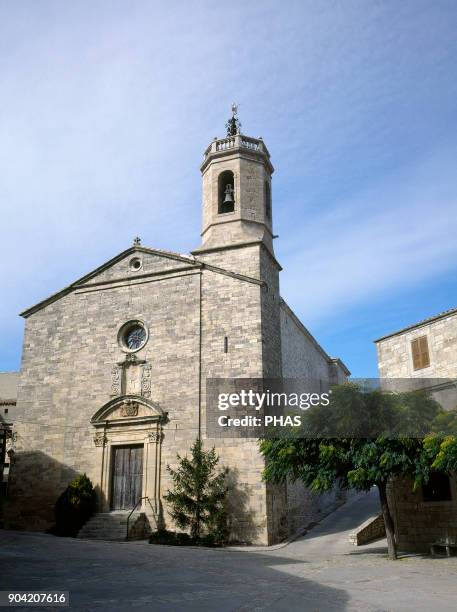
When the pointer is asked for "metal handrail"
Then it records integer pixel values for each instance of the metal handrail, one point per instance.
(133, 510)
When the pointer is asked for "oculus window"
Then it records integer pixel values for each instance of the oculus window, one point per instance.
(132, 336)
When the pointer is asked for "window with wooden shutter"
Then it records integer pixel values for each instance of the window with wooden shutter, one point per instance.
(419, 349)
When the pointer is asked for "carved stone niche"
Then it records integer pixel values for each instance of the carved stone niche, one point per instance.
(131, 377)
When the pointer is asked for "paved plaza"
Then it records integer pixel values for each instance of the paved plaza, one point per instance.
(320, 571)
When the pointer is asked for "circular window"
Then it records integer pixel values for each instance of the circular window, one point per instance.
(135, 264)
(132, 336)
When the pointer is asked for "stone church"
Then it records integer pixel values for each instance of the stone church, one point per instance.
(112, 382)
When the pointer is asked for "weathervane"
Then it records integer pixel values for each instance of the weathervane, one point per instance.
(233, 125)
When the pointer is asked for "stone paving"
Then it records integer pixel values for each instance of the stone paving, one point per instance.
(321, 571)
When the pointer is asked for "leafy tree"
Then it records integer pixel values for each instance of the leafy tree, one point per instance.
(360, 440)
(198, 495)
(442, 451)
(74, 506)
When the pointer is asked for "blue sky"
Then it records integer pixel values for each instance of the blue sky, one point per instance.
(106, 108)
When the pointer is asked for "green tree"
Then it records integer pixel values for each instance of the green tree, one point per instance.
(197, 499)
(360, 440)
(442, 451)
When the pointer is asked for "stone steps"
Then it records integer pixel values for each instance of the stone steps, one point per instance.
(112, 526)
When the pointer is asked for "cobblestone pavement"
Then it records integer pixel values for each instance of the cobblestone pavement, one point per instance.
(319, 572)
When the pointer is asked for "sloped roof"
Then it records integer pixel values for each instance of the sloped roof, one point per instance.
(426, 321)
(189, 259)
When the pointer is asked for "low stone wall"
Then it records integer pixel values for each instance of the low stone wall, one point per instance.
(371, 530)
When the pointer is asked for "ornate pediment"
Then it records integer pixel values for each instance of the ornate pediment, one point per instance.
(128, 409)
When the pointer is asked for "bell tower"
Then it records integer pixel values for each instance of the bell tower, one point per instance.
(237, 238)
(237, 208)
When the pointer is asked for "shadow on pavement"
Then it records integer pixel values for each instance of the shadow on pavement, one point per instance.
(118, 576)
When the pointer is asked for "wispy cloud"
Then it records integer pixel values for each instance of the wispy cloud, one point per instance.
(106, 108)
(395, 234)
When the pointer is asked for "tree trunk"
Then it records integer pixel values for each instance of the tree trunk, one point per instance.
(197, 522)
(388, 522)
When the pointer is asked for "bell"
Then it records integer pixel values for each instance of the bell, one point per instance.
(228, 195)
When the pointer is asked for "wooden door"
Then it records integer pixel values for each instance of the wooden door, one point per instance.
(127, 480)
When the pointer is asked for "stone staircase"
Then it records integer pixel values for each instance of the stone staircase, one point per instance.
(113, 526)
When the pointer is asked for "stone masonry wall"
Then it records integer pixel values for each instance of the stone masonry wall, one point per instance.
(245, 260)
(231, 228)
(302, 359)
(395, 358)
(231, 308)
(419, 523)
(70, 348)
(263, 359)
(272, 369)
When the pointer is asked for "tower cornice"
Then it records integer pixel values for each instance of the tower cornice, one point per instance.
(240, 145)
(241, 245)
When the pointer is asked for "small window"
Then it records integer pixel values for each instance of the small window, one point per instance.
(438, 488)
(267, 200)
(135, 264)
(226, 196)
(419, 349)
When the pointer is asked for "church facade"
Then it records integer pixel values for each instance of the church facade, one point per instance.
(114, 366)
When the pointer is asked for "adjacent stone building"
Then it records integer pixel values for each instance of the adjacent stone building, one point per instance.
(425, 355)
(8, 394)
(114, 366)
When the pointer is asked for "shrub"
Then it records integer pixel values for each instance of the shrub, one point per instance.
(172, 538)
(74, 507)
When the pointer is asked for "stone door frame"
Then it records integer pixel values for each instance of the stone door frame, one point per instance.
(124, 421)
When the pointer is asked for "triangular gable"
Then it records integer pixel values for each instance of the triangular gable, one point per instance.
(119, 267)
(124, 266)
